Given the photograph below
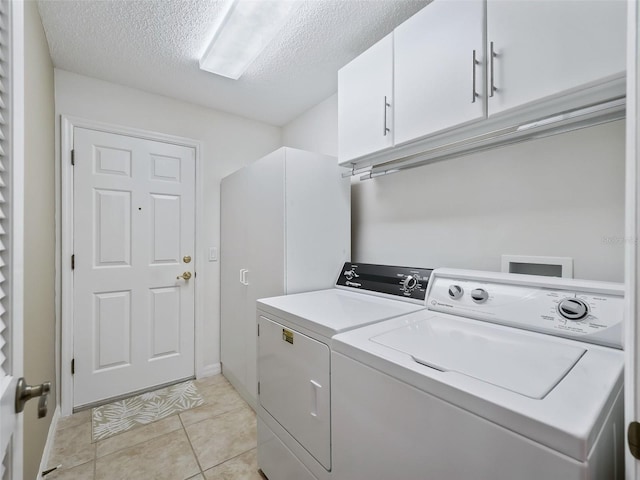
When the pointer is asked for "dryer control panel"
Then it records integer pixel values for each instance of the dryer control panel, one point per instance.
(582, 310)
(406, 282)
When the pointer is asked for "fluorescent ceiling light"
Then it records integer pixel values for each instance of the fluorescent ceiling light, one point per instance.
(246, 28)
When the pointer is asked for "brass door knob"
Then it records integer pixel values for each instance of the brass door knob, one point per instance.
(184, 276)
(186, 259)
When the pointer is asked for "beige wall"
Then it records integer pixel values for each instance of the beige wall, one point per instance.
(316, 129)
(557, 196)
(228, 142)
(39, 233)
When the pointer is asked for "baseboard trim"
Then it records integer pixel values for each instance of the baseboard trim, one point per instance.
(209, 371)
(49, 445)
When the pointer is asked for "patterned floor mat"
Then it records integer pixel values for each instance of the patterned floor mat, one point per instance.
(123, 415)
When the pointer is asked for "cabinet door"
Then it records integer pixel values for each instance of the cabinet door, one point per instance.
(438, 69)
(233, 294)
(545, 47)
(365, 101)
(265, 248)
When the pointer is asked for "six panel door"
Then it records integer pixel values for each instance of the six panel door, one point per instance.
(134, 222)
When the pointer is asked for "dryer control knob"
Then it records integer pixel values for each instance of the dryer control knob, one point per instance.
(573, 309)
(350, 274)
(479, 295)
(410, 283)
(455, 291)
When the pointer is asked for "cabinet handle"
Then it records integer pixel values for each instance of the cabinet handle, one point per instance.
(245, 282)
(242, 272)
(386, 105)
(474, 94)
(492, 86)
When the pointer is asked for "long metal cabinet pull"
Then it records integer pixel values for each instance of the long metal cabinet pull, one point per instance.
(474, 94)
(386, 105)
(492, 86)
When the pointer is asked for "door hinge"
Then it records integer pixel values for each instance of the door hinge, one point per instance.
(258, 329)
(73, 262)
(73, 366)
(258, 388)
(73, 157)
(633, 439)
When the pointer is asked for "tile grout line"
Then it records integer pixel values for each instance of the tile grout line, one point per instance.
(232, 458)
(216, 415)
(195, 455)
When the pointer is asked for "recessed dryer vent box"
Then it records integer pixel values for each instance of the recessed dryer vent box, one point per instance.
(534, 265)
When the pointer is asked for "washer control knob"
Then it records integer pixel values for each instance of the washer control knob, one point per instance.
(479, 295)
(410, 282)
(455, 291)
(573, 308)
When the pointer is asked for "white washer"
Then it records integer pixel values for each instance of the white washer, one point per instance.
(504, 377)
(294, 361)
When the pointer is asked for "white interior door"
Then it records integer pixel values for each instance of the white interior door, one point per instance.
(134, 227)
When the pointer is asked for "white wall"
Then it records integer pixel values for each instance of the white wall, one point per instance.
(228, 142)
(315, 130)
(39, 233)
(559, 196)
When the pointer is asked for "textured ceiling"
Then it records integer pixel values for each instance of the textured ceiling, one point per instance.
(154, 45)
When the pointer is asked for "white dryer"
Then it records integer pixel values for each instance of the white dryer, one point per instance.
(504, 377)
(294, 360)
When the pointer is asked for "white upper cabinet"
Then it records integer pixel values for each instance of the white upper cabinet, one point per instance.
(439, 76)
(460, 70)
(548, 47)
(365, 99)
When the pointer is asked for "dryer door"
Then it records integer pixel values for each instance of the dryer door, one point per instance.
(293, 375)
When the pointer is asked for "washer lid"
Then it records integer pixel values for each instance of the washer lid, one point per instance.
(511, 360)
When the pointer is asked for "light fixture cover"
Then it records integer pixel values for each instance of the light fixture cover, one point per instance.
(245, 29)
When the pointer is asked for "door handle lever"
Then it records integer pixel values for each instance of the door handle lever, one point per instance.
(25, 392)
(184, 276)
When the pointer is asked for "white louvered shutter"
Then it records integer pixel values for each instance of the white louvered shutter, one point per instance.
(11, 221)
(5, 366)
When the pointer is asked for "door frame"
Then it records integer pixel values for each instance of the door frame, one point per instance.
(68, 123)
(632, 228)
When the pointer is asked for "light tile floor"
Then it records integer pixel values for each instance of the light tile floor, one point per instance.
(216, 441)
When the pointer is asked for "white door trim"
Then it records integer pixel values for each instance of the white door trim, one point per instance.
(632, 249)
(68, 123)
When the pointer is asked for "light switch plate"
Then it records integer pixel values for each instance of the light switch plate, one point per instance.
(213, 254)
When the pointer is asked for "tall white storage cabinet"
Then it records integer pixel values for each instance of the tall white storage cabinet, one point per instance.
(286, 228)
